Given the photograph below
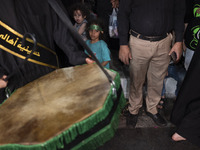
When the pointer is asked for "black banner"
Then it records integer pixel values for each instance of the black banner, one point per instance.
(11, 42)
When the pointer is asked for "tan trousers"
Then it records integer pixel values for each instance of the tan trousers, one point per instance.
(149, 61)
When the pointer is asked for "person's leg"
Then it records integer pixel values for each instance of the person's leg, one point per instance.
(162, 99)
(188, 57)
(157, 72)
(179, 75)
(177, 72)
(163, 89)
(173, 72)
(155, 75)
(141, 53)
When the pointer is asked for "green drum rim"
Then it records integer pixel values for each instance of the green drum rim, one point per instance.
(66, 138)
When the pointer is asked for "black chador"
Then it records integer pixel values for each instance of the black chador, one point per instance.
(186, 111)
(18, 17)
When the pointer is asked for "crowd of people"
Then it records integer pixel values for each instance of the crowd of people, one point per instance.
(150, 32)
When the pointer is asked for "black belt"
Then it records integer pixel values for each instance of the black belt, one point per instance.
(148, 38)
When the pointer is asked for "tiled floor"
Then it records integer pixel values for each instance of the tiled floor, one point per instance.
(146, 135)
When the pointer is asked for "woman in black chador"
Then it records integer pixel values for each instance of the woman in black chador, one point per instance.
(18, 17)
(186, 111)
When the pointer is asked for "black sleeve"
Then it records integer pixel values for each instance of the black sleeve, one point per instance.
(179, 14)
(123, 21)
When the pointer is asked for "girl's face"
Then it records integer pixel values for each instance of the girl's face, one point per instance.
(94, 35)
(78, 16)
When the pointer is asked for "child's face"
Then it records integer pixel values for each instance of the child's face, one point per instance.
(94, 35)
(78, 16)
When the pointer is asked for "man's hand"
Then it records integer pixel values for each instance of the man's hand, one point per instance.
(3, 83)
(178, 49)
(125, 54)
(89, 61)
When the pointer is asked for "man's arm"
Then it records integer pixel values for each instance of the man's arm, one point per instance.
(123, 29)
(179, 14)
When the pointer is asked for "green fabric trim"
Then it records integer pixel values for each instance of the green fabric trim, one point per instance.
(105, 134)
(81, 127)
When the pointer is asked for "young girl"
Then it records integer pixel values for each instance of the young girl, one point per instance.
(80, 14)
(96, 43)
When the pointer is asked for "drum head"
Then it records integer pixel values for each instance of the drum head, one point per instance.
(51, 104)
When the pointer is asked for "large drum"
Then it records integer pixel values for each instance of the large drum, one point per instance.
(70, 108)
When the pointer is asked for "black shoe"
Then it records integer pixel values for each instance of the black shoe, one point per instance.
(131, 120)
(125, 111)
(158, 119)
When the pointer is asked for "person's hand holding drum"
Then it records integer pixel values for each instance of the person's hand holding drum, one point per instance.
(3, 83)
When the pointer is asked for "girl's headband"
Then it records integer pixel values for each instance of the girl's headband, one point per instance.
(95, 27)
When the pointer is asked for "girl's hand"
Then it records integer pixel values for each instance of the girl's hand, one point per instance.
(3, 83)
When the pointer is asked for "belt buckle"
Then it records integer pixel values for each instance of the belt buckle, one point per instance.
(154, 39)
(138, 36)
(151, 40)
